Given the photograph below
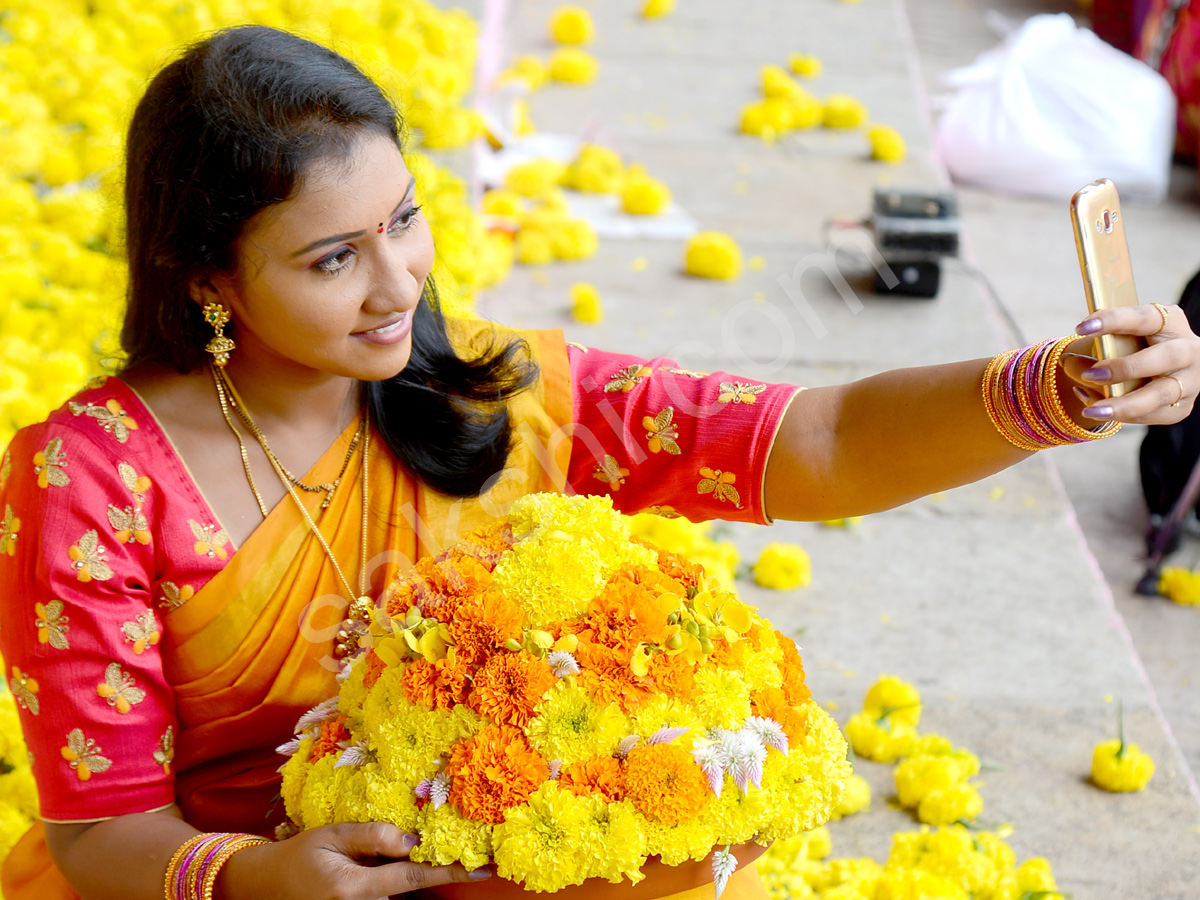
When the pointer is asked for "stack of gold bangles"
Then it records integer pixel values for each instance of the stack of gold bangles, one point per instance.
(1020, 391)
(193, 869)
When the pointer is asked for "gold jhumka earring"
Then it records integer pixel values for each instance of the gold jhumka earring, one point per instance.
(217, 316)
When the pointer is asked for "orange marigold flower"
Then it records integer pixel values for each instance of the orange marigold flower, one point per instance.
(509, 686)
(674, 676)
(487, 544)
(730, 655)
(600, 775)
(607, 675)
(674, 566)
(493, 771)
(791, 667)
(375, 668)
(333, 732)
(483, 624)
(437, 685)
(773, 704)
(664, 783)
(626, 613)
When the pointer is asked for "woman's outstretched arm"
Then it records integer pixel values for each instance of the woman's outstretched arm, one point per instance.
(885, 440)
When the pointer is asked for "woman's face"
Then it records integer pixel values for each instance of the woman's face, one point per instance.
(328, 280)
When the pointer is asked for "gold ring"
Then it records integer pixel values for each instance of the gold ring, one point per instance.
(1180, 383)
(1162, 311)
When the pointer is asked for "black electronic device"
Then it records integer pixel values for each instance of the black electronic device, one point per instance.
(913, 229)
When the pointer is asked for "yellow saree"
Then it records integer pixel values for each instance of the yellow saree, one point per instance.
(252, 650)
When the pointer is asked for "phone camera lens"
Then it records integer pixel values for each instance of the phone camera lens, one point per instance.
(1107, 222)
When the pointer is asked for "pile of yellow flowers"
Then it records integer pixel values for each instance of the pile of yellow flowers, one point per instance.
(787, 106)
(18, 793)
(70, 74)
(947, 863)
(566, 700)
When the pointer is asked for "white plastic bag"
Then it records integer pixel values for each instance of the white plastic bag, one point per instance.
(1055, 107)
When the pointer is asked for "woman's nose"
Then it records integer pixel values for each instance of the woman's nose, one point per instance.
(394, 286)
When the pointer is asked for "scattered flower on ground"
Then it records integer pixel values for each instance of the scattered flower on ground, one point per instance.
(713, 254)
(783, 567)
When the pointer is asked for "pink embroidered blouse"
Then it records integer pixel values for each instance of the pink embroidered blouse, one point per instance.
(104, 533)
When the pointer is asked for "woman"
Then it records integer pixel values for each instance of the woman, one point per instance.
(157, 669)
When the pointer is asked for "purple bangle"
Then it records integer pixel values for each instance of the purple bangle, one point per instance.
(180, 887)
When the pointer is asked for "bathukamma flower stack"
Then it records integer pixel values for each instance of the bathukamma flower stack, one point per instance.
(567, 701)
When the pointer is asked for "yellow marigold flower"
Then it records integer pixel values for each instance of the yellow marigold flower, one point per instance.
(574, 239)
(723, 698)
(533, 71)
(543, 843)
(1180, 585)
(783, 567)
(713, 254)
(844, 111)
(503, 203)
(572, 25)
(534, 178)
(878, 743)
(596, 169)
(534, 247)
(1119, 766)
(768, 118)
(573, 66)
(615, 836)
(643, 195)
(655, 9)
(586, 305)
(856, 798)
(569, 726)
(776, 82)
(804, 65)
(907, 884)
(957, 803)
(886, 144)
(447, 836)
(895, 700)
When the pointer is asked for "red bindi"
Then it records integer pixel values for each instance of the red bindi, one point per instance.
(381, 228)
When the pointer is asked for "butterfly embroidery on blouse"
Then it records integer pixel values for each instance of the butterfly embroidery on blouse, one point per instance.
(736, 392)
(661, 433)
(111, 417)
(138, 485)
(87, 558)
(687, 372)
(142, 632)
(48, 465)
(210, 539)
(611, 472)
(24, 690)
(719, 484)
(625, 379)
(119, 690)
(83, 755)
(52, 625)
(174, 596)
(130, 525)
(5, 468)
(8, 531)
(165, 752)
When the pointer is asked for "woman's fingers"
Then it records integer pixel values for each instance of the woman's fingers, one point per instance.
(370, 839)
(1149, 320)
(1151, 404)
(1149, 362)
(403, 877)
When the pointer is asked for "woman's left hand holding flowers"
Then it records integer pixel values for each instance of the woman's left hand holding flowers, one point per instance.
(1170, 364)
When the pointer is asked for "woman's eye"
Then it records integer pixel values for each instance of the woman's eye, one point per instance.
(335, 262)
(405, 220)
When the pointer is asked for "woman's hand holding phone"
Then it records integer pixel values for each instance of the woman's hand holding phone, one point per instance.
(1171, 364)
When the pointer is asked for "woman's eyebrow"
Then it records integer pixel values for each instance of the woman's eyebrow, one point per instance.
(350, 235)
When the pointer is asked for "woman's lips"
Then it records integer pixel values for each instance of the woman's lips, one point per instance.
(391, 333)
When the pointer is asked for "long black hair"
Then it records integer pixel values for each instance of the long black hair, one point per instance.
(229, 129)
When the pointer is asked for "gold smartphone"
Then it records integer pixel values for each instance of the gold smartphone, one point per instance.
(1107, 270)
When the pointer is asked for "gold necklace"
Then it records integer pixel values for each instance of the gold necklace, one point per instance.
(251, 426)
(358, 613)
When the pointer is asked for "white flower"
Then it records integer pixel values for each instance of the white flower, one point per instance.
(746, 765)
(290, 748)
(355, 755)
(439, 790)
(626, 746)
(423, 789)
(712, 760)
(769, 732)
(665, 735)
(555, 769)
(562, 663)
(326, 709)
(724, 865)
